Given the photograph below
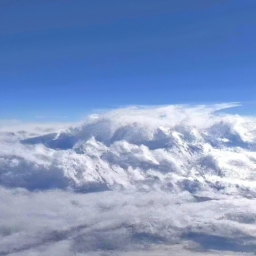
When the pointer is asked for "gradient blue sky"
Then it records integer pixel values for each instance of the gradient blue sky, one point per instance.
(61, 59)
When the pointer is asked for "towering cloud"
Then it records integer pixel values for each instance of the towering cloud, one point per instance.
(175, 178)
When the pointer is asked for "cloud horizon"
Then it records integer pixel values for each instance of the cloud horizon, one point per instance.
(130, 181)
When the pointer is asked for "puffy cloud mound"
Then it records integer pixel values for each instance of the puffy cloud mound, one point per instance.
(175, 179)
(173, 148)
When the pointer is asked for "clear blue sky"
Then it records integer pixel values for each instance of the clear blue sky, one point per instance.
(67, 57)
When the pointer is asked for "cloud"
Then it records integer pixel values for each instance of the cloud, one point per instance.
(168, 148)
(170, 178)
(64, 222)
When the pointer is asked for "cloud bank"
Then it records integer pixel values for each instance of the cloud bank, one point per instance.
(174, 179)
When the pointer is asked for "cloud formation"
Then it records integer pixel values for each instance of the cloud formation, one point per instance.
(64, 223)
(177, 178)
(172, 148)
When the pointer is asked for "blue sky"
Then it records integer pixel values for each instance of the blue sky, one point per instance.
(61, 59)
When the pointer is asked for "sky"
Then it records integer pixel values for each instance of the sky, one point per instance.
(62, 59)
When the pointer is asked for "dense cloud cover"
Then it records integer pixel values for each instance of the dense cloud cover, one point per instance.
(176, 179)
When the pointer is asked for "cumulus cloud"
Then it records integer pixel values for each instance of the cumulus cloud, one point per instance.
(176, 179)
(173, 148)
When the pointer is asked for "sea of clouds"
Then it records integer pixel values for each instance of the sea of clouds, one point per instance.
(173, 180)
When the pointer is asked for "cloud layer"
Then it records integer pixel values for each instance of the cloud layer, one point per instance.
(171, 148)
(64, 223)
(176, 178)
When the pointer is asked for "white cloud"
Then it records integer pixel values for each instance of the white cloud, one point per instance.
(147, 148)
(64, 222)
(171, 174)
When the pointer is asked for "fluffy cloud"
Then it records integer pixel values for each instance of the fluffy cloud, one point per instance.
(176, 179)
(64, 223)
(167, 148)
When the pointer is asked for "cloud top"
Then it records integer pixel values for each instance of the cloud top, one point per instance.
(174, 148)
(176, 179)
